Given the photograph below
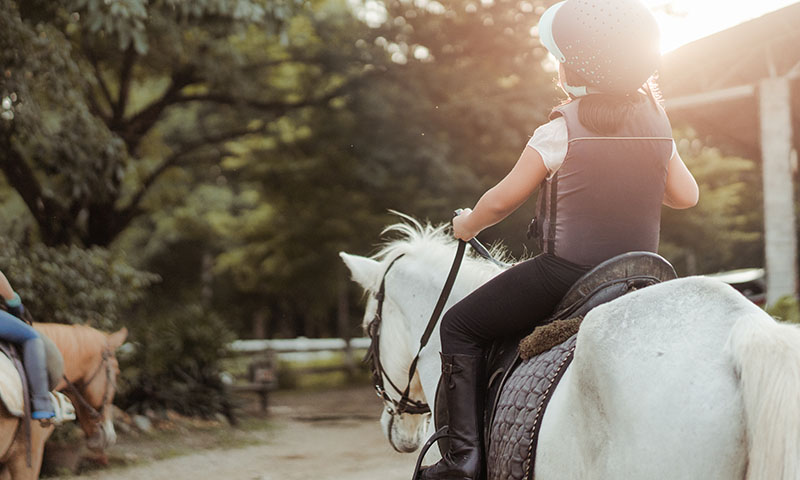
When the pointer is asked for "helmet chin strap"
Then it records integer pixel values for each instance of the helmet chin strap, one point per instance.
(574, 92)
(577, 92)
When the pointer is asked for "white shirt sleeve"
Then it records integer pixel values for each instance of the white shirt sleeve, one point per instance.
(551, 140)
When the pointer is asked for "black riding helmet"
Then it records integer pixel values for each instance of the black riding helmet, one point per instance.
(612, 46)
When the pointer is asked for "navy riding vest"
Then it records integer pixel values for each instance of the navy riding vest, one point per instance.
(606, 197)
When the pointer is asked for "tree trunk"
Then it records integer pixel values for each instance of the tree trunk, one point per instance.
(259, 324)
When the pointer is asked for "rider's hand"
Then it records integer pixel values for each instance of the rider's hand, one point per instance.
(17, 311)
(460, 228)
(15, 306)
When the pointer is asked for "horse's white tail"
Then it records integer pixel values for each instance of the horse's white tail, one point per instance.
(767, 356)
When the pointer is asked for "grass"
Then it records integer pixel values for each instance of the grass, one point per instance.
(305, 374)
(786, 309)
(292, 376)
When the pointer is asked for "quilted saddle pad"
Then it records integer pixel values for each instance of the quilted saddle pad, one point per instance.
(519, 412)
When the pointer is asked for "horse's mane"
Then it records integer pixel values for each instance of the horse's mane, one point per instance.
(411, 237)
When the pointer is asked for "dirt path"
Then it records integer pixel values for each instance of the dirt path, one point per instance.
(320, 436)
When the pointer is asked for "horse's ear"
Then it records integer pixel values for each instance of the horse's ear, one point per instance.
(365, 271)
(116, 339)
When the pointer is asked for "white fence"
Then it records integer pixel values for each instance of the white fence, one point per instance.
(300, 349)
(262, 374)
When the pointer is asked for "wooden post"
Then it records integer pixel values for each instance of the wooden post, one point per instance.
(343, 322)
(260, 323)
(779, 222)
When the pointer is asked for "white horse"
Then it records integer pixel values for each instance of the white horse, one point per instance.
(681, 380)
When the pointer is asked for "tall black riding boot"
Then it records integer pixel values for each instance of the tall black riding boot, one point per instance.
(464, 378)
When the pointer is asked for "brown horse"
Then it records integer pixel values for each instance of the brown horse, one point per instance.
(91, 369)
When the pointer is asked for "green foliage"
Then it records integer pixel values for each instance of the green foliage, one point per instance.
(724, 230)
(786, 309)
(175, 363)
(124, 19)
(234, 147)
(425, 135)
(291, 375)
(90, 126)
(73, 285)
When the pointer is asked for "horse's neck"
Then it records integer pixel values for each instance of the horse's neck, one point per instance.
(77, 344)
(424, 289)
(415, 293)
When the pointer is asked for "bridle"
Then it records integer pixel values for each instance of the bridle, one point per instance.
(95, 414)
(406, 404)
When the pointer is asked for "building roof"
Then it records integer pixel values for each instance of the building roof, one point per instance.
(712, 84)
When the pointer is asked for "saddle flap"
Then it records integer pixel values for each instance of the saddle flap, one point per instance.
(519, 411)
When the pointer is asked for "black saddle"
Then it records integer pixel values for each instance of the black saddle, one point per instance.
(607, 281)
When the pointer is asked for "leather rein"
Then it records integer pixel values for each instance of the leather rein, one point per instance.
(406, 404)
(93, 412)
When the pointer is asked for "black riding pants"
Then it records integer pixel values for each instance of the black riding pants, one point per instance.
(512, 303)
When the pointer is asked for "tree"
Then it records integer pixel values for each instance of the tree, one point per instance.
(442, 121)
(71, 285)
(725, 230)
(102, 99)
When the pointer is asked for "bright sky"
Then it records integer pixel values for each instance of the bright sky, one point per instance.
(693, 19)
(681, 21)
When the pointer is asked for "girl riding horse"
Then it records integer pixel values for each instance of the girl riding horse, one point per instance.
(33, 351)
(605, 162)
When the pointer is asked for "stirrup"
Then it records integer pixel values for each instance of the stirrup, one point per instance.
(441, 433)
(63, 407)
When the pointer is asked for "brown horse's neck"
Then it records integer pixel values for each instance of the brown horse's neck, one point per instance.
(78, 344)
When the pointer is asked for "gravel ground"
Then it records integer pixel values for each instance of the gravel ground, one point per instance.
(321, 435)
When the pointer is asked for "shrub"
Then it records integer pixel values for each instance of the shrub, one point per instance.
(176, 363)
(73, 285)
(786, 309)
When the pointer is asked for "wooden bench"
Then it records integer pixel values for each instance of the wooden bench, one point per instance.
(262, 378)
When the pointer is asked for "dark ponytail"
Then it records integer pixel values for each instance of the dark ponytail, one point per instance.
(604, 114)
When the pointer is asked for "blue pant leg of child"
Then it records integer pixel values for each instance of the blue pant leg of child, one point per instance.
(33, 357)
